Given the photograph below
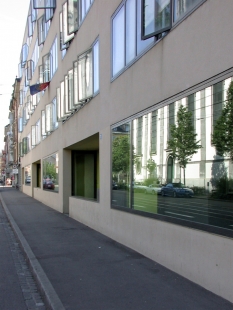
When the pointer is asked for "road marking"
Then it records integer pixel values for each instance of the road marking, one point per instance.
(179, 214)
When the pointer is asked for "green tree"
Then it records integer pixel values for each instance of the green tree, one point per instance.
(121, 154)
(222, 137)
(49, 170)
(151, 165)
(183, 145)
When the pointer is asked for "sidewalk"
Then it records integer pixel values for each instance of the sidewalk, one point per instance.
(78, 268)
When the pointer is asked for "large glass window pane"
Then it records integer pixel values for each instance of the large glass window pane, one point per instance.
(156, 17)
(73, 16)
(24, 55)
(118, 41)
(66, 36)
(55, 123)
(53, 58)
(50, 173)
(141, 44)
(49, 118)
(63, 46)
(43, 125)
(182, 7)
(96, 66)
(41, 30)
(75, 87)
(46, 67)
(121, 167)
(85, 78)
(70, 90)
(130, 30)
(33, 136)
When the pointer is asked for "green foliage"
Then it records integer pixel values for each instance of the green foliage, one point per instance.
(183, 145)
(121, 154)
(150, 181)
(151, 165)
(223, 188)
(49, 170)
(222, 137)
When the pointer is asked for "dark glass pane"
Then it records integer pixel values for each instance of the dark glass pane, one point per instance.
(121, 168)
(156, 17)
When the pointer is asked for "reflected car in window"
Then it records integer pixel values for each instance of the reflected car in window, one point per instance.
(176, 190)
(153, 189)
(48, 184)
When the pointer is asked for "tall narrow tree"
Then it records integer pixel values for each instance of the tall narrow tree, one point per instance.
(222, 137)
(182, 144)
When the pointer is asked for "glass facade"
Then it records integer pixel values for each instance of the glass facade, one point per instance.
(193, 183)
(50, 173)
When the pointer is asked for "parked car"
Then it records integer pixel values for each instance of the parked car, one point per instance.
(153, 189)
(28, 180)
(139, 187)
(48, 184)
(176, 190)
(114, 185)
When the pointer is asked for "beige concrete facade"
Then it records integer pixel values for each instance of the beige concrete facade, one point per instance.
(196, 53)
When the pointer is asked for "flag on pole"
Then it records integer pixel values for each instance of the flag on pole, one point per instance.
(34, 89)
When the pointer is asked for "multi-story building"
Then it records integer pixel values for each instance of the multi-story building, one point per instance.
(117, 74)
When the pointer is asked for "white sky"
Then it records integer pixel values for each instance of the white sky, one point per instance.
(13, 18)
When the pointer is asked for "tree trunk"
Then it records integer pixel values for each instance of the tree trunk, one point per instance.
(184, 174)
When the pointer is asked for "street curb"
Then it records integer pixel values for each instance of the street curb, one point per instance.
(51, 298)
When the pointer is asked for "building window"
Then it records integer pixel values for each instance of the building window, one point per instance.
(53, 59)
(27, 175)
(41, 29)
(85, 81)
(43, 125)
(50, 173)
(77, 10)
(38, 132)
(182, 7)
(24, 55)
(25, 145)
(29, 69)
(126, 35)
(156, 17)
(63, 46)
(146, 170)
(35, 55)
(66, 36)
(44, 4)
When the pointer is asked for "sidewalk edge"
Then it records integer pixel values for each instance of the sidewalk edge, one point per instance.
(51, 298)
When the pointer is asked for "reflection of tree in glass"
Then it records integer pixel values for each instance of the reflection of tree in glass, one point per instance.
(121, 154)
(151, 165)
(222, 137)
(183, 145)
(49, 170)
